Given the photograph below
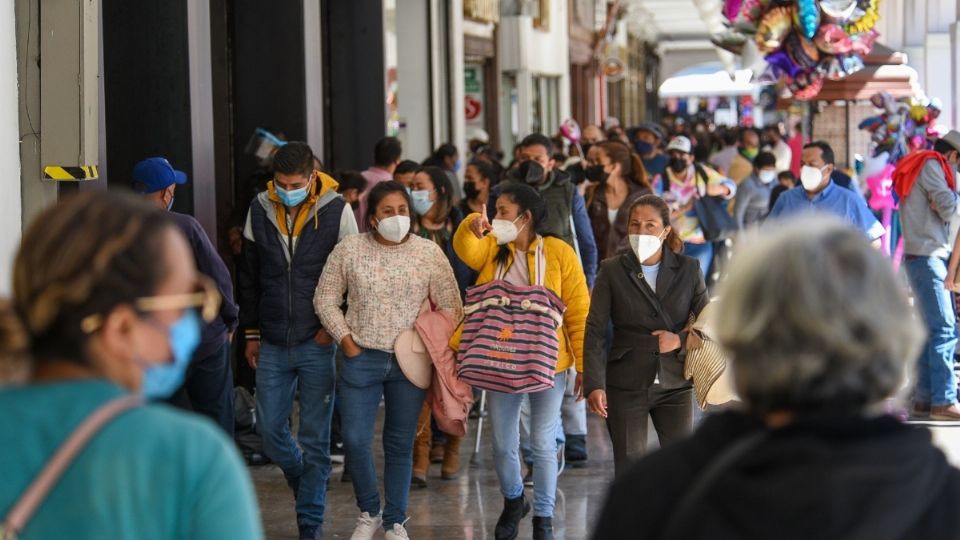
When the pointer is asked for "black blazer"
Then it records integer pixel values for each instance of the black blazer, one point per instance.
(622, 296)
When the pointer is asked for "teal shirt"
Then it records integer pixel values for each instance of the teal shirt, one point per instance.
(152, 473)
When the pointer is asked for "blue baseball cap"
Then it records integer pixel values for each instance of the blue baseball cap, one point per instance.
(156, 173)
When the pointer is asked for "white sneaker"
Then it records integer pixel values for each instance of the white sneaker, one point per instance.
(398, 532)
(367, 526)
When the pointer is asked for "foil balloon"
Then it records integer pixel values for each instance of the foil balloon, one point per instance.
(863, 43)
(918, 112)
(802, 51)
(752, 10)
(867, 21)
(810, 91)
(730, 40)
(851, 64)
(570, 130)
(774, 26)
(832, 39)
(731, 8)
(831, 68)
(808, 17)
(781, 64)
(838, 10)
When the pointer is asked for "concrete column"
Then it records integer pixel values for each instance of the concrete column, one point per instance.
(953, 120)
(413, 78)
(203, 175)
(939, 82)
(313, 74)
(458, 120)
(563, 21)
(915, 30)
(10, 210)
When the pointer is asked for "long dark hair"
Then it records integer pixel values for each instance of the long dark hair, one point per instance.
(528, 199)
(673, 241)
(444, 189)
(630, 163)
(379, 192)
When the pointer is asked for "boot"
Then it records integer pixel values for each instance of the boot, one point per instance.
(421, 449)
(576, 451)
(451, 459)
(542, 528)
(508, 526)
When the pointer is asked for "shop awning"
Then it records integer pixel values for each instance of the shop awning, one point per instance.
(707, 81)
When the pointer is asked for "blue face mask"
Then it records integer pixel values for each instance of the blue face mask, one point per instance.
(643, 147)
(160, 381)
(170, 204)
(421, 201)
(292, 197)
(457, 165)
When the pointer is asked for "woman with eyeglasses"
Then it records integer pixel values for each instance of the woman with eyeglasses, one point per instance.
(106, 311)
(437, 219)
(387, 275)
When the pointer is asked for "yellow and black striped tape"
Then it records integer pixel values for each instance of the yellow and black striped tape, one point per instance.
(71, 174)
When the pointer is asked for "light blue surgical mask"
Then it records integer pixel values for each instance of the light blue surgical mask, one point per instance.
(421, 201)
(160, 381)
(457, 166)
(170, 204)
(292, 197)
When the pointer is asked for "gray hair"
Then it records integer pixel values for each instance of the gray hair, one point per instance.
(815, 321)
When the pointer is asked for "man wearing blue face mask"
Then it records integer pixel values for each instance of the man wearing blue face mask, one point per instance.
(208, 388)
(647, 138)
(290, 231)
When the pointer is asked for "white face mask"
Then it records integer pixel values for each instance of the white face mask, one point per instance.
(394, 228)
(811, 177)
(505, 231)
(645, 245)
(767, 176)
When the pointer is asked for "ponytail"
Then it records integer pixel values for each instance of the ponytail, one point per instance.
(629, 161)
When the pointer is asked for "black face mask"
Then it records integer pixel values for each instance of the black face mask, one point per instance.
(678, 165)
(470, 190)
(596, 174)
(529, 172)
(585, 147)
(355, 204)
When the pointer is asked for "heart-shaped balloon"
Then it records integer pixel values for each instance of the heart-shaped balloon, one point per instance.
(832, 39)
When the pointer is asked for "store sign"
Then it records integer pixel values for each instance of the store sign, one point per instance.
(473, 95)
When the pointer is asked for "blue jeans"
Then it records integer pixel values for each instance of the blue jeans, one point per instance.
(544, 420)
(281, 371)
(208, 389)
(936, 381)
(702, 253)
(363, 381)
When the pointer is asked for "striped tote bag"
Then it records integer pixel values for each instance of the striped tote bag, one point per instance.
(509, 342)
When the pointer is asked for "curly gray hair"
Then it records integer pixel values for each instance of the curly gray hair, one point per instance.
(815, 321)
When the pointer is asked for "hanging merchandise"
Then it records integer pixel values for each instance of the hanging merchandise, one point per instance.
(901, 126)
(805, 42)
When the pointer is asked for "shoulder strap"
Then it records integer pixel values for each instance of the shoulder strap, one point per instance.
(701, 173)
(541, 262)
(44, 482)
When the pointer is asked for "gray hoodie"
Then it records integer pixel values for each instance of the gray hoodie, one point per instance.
(926, 214)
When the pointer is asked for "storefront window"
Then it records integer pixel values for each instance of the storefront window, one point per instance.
(545, 111)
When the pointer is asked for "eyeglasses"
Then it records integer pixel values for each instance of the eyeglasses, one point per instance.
(206, 297)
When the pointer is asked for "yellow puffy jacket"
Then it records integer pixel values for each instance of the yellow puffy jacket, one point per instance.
(563, 276)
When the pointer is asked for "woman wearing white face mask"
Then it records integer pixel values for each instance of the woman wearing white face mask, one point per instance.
(387, 274)
(753, 197)
(649, 295)
(511, 249)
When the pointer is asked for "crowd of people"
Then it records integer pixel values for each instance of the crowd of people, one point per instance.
(564, 282)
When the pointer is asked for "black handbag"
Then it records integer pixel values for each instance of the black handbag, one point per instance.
(717, 224)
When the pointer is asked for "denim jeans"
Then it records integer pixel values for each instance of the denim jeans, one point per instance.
(208, 389)
(544, 420)
(281, 371)
(936, 381)
(703, 253)
(363, 381)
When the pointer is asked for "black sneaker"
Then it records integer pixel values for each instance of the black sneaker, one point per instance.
(576, 451)
(311, 532)
(345, 477)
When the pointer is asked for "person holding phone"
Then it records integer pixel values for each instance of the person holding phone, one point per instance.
(386, 274)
